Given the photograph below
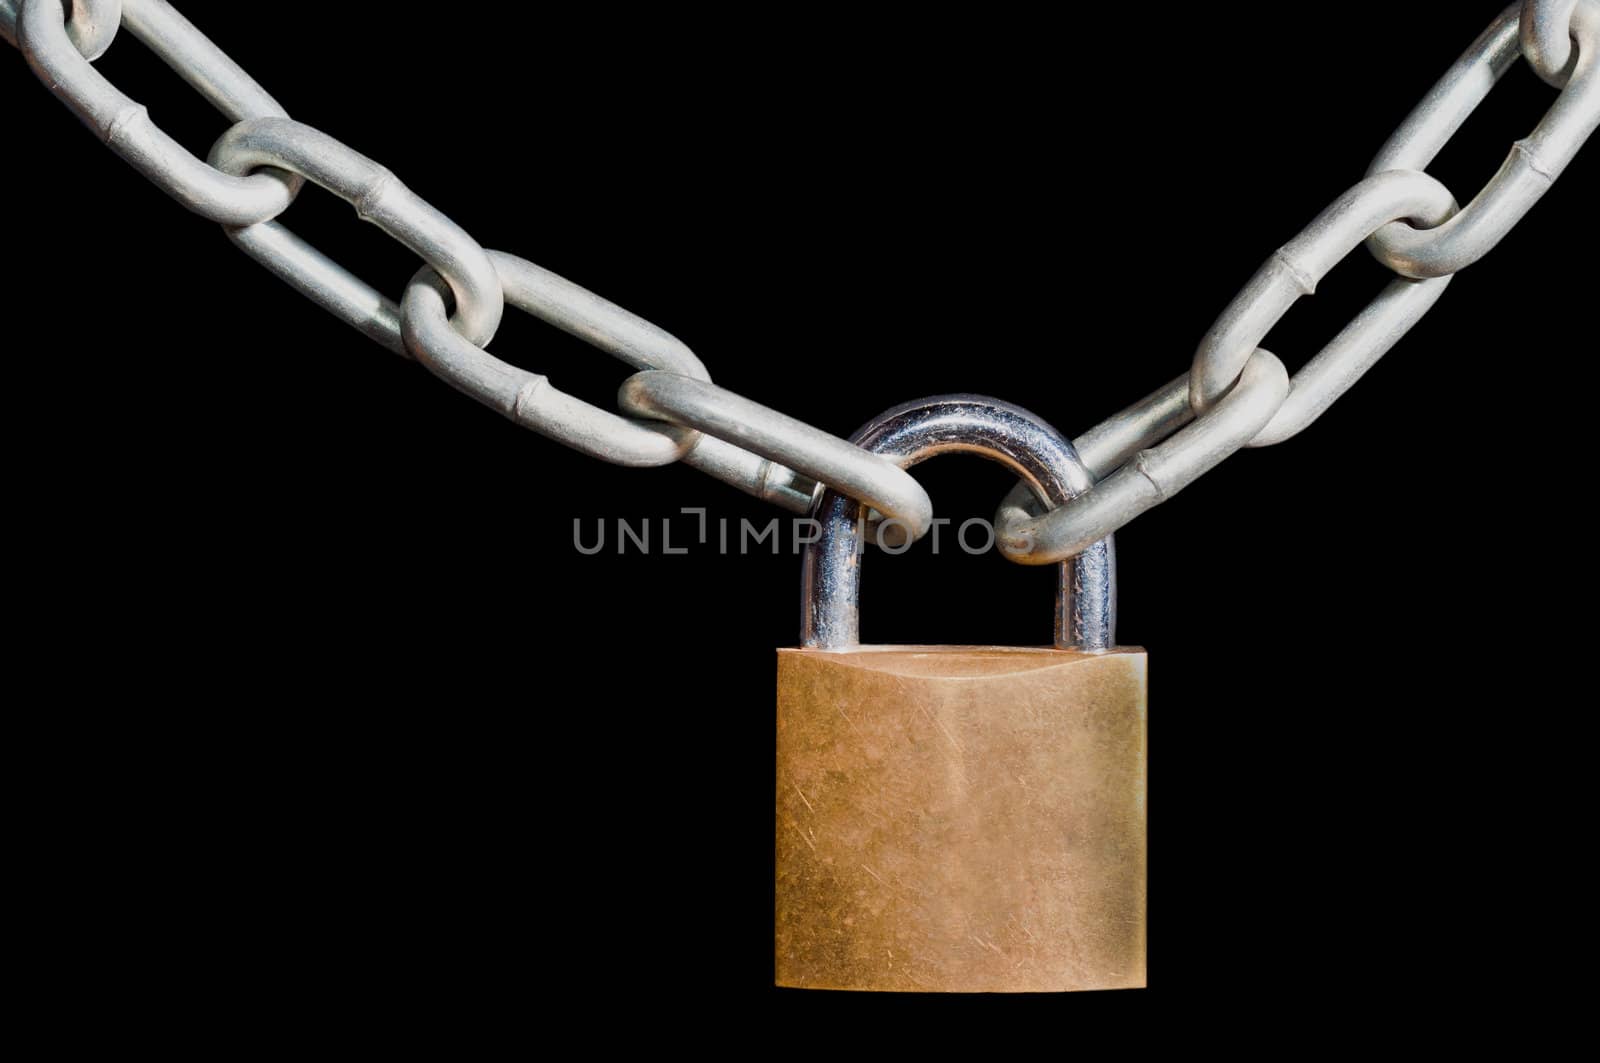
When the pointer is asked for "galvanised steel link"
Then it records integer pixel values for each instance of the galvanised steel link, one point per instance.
(1107, 446)
(206, 68)
(1150, 478)
(1546, 33)
(379, 198)
(1294, 271)
(125, 125)
(1241, 393)
(92, 24)
(838, 463)
(1528, 172)
(528, 398)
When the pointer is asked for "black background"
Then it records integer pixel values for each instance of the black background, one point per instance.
(347, 714)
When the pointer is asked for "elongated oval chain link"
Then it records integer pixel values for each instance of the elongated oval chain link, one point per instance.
(1153, 476)
(528, 398)
(1296, 269)
(1235, 394)
(125, 126)
(1528, 172)
(838, 463)
(379, 198)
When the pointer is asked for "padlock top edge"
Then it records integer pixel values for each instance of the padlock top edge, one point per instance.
(1024, 651)
(964, 661)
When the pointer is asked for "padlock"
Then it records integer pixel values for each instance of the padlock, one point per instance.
(960, 818)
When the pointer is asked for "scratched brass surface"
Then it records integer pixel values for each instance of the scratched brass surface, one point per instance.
(960, 819)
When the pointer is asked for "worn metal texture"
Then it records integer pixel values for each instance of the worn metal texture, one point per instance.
(960, 819)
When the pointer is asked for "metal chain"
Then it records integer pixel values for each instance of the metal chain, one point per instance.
(257, 168)
(1235, 389)
(1235, 395)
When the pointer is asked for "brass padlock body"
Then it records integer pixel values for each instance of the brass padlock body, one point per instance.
(961, 819)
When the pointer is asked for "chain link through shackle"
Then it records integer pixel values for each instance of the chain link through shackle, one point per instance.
(1235, 395)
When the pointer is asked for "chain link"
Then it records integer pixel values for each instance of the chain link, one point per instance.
(1528, 172)
(378, 197)
(1546, 33)
(838, 463)
(1150, 478)
(528, 398)
(91, 24)
(1235, 395)
(125, 125)
(1295, 270)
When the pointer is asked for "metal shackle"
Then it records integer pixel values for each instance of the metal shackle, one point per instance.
(1086, 598)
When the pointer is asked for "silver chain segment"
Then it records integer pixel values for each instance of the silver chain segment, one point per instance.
(1236, 394)
(125, 126)
(261, 144)
(1411, 224)
(1533, 165)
